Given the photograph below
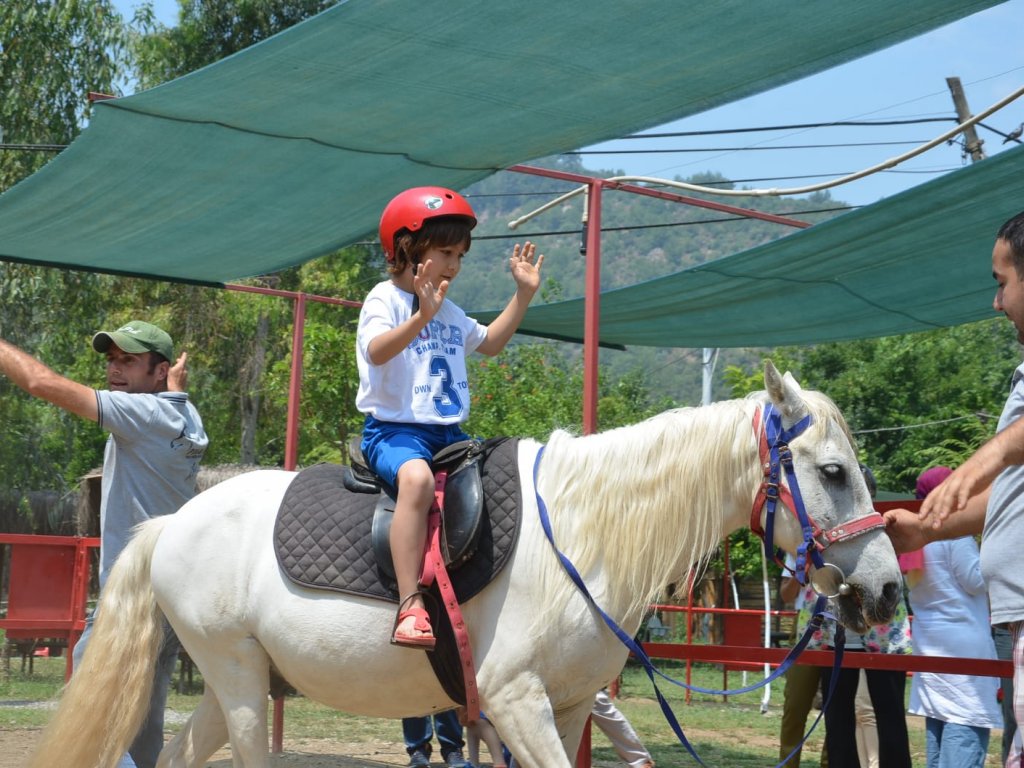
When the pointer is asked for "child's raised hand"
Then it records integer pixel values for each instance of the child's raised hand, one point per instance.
(431, 299)
(525, 271)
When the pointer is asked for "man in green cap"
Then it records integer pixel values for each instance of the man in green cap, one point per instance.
(150, 464)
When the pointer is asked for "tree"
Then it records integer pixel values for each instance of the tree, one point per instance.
(51, 55)
(209, 30)
(917, 400)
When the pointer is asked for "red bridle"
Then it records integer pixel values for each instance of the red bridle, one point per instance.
(776, 457)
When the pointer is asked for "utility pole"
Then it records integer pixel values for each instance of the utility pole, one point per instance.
(972, 143)
(707, 366)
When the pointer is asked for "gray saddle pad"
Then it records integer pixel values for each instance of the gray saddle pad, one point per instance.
(322, 533)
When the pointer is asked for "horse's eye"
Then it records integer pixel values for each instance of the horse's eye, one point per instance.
(834, 473)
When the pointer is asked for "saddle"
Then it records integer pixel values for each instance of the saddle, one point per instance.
(462, 516)
(324, 535)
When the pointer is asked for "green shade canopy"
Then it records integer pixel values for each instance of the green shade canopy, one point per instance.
(290, 149)
(916, 261)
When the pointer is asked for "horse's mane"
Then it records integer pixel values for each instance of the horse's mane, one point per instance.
(645, 503)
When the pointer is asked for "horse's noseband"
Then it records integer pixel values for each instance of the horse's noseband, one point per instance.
(776, 457)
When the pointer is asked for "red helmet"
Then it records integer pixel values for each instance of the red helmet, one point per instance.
(409, 209)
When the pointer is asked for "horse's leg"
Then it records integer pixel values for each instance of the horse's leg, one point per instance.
(205, 732)
(522, 713)
(238, 673)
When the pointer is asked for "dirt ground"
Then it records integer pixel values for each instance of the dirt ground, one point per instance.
(15, 746)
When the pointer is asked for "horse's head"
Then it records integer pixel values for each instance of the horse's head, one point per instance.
(826, 517)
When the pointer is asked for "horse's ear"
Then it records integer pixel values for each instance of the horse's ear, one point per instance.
(784, 392)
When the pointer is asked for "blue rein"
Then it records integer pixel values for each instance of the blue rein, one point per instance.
(779, 459)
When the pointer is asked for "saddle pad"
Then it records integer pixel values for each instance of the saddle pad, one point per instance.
(322, 532)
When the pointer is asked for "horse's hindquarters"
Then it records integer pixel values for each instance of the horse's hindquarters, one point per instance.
(218, 581)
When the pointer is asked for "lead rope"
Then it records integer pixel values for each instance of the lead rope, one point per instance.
(814, 625)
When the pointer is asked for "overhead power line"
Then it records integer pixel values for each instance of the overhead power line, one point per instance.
(980, 415)
(909, 142)
(662, 225)
(795, 126)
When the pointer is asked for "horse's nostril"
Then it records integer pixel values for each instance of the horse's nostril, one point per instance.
(892, 592)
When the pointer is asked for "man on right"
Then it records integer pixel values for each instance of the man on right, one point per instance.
(986, 493)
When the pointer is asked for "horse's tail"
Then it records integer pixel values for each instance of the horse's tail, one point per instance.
(115, 677)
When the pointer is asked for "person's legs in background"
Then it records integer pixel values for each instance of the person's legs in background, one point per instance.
(867, 732)
(606, 716)
(449, 735)
(932, 741)
(840, 721)
(888, 689)
(483, 730)
(1004, 651)
(802, 684)
(145, 749)
(961, 746)
(417, 733)
(1015, 759)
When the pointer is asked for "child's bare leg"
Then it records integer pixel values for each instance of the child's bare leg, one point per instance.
(409, 534)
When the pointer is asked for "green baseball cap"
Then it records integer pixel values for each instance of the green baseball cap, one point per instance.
(136, 337)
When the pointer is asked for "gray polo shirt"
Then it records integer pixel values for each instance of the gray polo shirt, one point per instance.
(150, 465)
(1003, 540)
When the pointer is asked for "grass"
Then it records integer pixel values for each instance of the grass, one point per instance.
(728, 733)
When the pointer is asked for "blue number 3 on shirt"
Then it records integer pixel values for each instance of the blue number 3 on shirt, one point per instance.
(448, 403)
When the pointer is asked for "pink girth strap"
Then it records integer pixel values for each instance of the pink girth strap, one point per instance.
(434, 569)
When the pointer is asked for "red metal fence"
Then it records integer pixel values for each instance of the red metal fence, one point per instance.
(47, 587)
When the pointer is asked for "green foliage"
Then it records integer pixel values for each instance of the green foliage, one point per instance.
(526, 391)
(919, 400)
(51, 55)
(209, 30)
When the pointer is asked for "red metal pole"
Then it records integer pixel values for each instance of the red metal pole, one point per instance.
(291, 443)
(291, 454)
(689, 630)
(79, 597)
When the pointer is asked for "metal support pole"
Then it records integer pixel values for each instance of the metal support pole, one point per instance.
(291, 454)
(592, 308)
(291, 443)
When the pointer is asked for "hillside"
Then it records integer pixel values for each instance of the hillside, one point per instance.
(643, 239)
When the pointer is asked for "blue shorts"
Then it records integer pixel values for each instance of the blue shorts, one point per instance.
(387, 445)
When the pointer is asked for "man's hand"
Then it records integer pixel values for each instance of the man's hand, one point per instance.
(969, 479)
(906, 530)
(177, 374)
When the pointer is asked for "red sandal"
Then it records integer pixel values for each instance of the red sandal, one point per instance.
(425, 641)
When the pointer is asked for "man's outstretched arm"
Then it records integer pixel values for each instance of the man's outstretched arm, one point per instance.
(41, 381)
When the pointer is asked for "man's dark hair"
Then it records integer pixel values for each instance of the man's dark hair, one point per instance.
(869, 478)
(155, 358)
(1013, 233)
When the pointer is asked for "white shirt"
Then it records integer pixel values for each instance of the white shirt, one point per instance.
(426, 383)
(951, 618)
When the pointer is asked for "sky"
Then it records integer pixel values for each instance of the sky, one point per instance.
(904, 82)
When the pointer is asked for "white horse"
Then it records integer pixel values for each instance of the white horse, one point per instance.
(634, 508)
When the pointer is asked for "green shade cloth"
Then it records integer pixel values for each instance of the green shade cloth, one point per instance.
(916, 261)
(290, 149)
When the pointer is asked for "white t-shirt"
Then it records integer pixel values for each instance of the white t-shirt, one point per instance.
(951, 619)
(426, 383)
